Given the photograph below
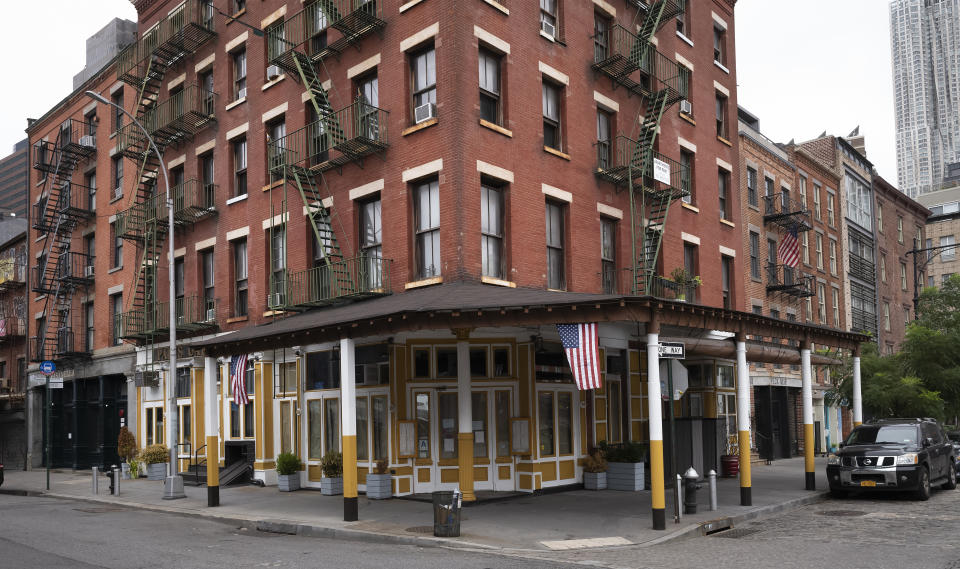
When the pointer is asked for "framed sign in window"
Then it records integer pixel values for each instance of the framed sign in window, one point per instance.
(406, 439)
(520, 436)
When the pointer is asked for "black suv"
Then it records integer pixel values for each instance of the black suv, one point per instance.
(894, 454)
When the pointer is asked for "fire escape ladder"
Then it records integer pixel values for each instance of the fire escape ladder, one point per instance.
(318, 98)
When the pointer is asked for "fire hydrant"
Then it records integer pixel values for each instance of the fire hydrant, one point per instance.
(690, 478)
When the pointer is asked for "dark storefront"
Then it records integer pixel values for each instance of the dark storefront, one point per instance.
(776, 417)
(85, 419)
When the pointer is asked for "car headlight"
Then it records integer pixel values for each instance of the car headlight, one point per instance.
(833, 459)
(907, 458)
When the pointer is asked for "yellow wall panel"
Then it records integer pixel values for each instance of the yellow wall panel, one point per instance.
(404, 485)
(423, 475)
(361, 475)
(314, 473)
(547, 470)
(449, 475)
(403, 471)
(525, 482)
(601, 431)
(480, 474)
(503, 472)
(568, 469)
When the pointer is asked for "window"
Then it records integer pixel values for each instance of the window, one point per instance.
(808, 309)
(555, 243)
(821, 303)
(117, 246)
(690, 261)
(276, 133)
(117, 115)
(208, 271)
(604, 145)
(88, 327)
(726, 280)
(278, 260)
(117, 172)
(90, 248)
(371, 240)
(178, 284)
(238, 6)
(886, 316)
(317, 28)
(820, 251)
(368, 122)
(240, 277)
(549, 17)
(719, 45)
(90, 179)
(900, 230)
(687, 162)
(551, 116)
(833, 256)
(830, 219)
(608, 254)
(721, 108)
(423, 75)
(880, 217)
(816, 202)
(949, 253)
(116, 308)
(491, 229)
(803, 191)
(276, 39)
(723, 183)
(859, 202)
(883, 268)
(806, 247)
(239, 74)
(768, 185)
(685, 81)
(903, 276)
(490, 109)
(754, 255)
(752, 198)
(601, 37)
(239, 167)
(683, 18)
(836, 307)
(206, 178)
(182, 384)
(205, 81)
(427, 229)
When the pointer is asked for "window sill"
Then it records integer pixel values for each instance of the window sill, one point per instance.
(115, 269)
(235, 103)
(728, 222)
(756, 280)
(41, 238)
(496, 128)
(725, 141)
(269, 187)
(498, 282)
(691, 207)
(498, 6)
(755, 208)
(39, 298)
(234, 200)
(273, 313)
(549, 150)
(423, 283)
(233, 17)
(688, 118)
(409, 5)
(685, 39)
(721, 66)
(269, 84)
(419, 127)
(115, 198)
(237, 319)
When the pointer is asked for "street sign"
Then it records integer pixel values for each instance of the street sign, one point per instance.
(56, 383)
(673, 350)
(661, 171)
(47, 367)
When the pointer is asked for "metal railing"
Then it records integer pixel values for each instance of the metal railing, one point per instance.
(662, 287)
(192, 200)
(354, 277)
(789, 280)
(184, 113)
(12, 272)
(192, 312)
(353, 18)
(182, 30)
(75, 199)
(783, 210)
(12, 327)
(618, 52)
(618, 164)
(75, 268)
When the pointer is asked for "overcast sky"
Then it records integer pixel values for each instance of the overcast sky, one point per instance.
(819, 65)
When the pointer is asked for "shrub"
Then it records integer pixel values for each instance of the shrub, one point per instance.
(624, 452)
(595, 462)
(126, 445)
(155, 454)
(331, 464)
(287, 463)
(381, 466)
(134, 468)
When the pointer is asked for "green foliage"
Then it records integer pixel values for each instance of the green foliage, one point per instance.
(595, 462)
(331, 464)
(287, 463)
(624, 452)
(381, 466)
(683, 278)
(134, 468)
(155, 454)
(126, 444)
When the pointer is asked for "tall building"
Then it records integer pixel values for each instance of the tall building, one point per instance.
(13, 354)
(13, 180)
(104, 45)
(925, 40)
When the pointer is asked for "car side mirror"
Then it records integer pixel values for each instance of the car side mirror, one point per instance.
(927, 442)
(842, 445)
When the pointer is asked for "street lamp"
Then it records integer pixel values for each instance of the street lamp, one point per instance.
(173, 485)
(919, 266)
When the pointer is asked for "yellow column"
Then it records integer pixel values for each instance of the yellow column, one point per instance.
(743, 420)
(465, 416)
(657, 497)
(348, 428)
(807, 393)
(211, 427)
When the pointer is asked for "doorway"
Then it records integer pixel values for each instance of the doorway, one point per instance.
(558, 434)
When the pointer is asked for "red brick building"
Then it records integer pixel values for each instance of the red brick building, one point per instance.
(13, 356)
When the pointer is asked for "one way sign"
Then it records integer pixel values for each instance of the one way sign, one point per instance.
(672, 350)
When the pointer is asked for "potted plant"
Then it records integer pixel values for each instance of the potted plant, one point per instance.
(288, 472)
(685, 282)
(625, 461)
(156, 458)
(126, 449)
(134, 468)
(595, 471)
(380, 481)
(331, 467)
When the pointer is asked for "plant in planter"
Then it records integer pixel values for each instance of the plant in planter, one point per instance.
(685, 282)
(595, 471)
(625, 465)
(288, 472)
(135, 468)
(156, 458)
(126, 449)
(380, 481)
(331, 481)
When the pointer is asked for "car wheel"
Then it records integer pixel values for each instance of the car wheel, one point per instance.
(923, 489)
(951, 483)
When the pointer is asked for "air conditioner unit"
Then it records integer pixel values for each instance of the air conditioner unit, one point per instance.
(686, 107)
(273, 71)
(277, 299)
(180, 320)
(425, 113)
(4, 383)
(211, 314)
(146, 379)
(88, 271)
(89, 141)
(548, 28)
(118, 192)
(242, 93)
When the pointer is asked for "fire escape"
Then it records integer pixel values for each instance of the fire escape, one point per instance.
(299, 46)
(653, 180)
(789, 216)
(170, 122)
(60, 272)
(13, 281)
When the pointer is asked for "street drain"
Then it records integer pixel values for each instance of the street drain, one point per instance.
(420, 529)
(736, 533)
(842, 513)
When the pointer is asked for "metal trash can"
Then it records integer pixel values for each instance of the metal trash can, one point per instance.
(446, 514)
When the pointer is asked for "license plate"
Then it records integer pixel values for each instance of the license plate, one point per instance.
(867, 483)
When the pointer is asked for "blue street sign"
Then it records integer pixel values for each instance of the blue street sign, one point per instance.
(47, 367)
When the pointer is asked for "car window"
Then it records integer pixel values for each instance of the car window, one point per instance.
(954, 436)
(874, 434)
(930, 431)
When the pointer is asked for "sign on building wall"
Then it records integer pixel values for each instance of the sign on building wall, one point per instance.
(661, 171)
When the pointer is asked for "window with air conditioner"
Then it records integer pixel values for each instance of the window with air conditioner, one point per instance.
(549, 10)
(423, 74)
(239, 74)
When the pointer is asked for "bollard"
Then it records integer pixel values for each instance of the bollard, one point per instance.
(115, 487)
(679, 497)
(712, 477)
(96, 481)
(690, 491)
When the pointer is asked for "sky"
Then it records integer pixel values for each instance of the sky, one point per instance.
(819, 65)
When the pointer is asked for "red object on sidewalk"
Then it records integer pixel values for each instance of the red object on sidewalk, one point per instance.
(729, 465)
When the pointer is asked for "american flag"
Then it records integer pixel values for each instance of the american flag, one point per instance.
(238, 376)
(580, 344)
(789, 250)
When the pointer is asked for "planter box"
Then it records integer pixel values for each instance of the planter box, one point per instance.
(379, 486)
(625, 476)
(594, 480)
(331, 486)
(157, 471)
(288, 482)
(125, 471)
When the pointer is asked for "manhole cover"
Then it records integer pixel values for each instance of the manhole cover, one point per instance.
(98, 510)
(842, 513)
(420, 529)
(736, 533)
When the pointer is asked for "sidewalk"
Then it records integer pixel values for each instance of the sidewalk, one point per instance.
(531, 523)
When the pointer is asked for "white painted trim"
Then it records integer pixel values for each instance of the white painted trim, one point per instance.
(238, 233)
(683, 61)
(606, 7)
(111, 219)
(276, 15)
(176, 81)
(366, 189)
(553, 73)
(609, 211)
(279, 219)
(418, 38)
(363, 66)
(235, 42)
(606, 102)
(235, 132)
(684, 143)
(727, 251)
(91, 107)
(491, 40)
(177, 161)
(494, 171)
(422, 170)
(724, 164)
(115, 289)
(235, 199)
(236, 103)
(205, 244)
(689, 238)
(721, 88)
(718, 20)
(409, 5)
(556, 193)
(274, 112)
(206, 146)
(181, 252)
(116, 87)
(205, 62)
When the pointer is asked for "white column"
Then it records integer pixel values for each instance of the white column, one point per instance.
(743, 389)
(211, 420)
(348, 389)
(464, 400)
(654, 402)
(857, 397)
(807, 386)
